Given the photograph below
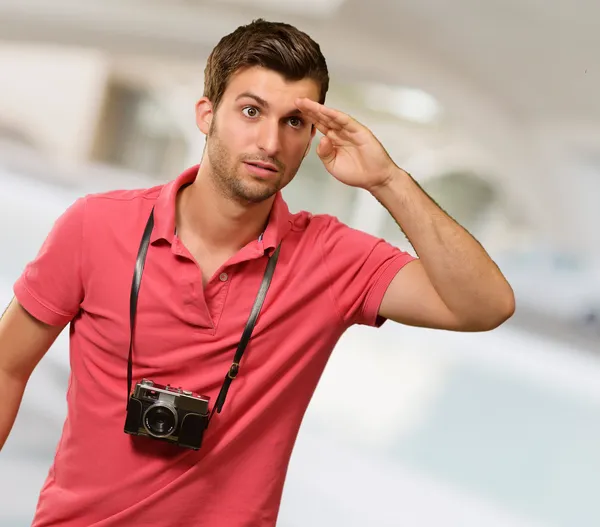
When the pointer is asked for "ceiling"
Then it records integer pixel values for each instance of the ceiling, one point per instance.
(538, 59)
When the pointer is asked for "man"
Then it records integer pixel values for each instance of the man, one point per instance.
(215, 228)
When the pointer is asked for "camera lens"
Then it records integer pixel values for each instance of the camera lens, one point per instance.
(160, 420)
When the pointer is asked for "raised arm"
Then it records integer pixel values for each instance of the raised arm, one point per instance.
(454, 284)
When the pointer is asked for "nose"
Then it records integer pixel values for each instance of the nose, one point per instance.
(269, 140)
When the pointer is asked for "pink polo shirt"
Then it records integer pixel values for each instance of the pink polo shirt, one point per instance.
(328, 277)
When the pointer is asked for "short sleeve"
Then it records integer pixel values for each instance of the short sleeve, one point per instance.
(51, 286)
(361, 267)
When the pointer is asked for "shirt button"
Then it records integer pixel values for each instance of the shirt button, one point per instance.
(223, 277)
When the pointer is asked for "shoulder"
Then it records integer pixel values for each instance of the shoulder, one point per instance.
(118, 205)
(329, 230)
(311, 224)
(123, 198)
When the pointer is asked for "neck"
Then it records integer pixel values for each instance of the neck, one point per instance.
(220, 222)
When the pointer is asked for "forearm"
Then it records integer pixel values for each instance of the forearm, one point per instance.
(461, 271)
(11, 394)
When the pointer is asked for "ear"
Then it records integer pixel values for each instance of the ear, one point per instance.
(312, 136)
(204, 114)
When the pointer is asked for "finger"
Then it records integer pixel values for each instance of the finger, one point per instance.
(334, 118)
(326, 150)
(324, 129)
(322, 120)
(317, 116)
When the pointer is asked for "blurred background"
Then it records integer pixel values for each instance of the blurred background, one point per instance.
(492, 106)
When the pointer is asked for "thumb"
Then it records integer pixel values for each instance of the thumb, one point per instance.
(325, 150)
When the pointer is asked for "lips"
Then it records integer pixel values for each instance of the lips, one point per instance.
(264, 166)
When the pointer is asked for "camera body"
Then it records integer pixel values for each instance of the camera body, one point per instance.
(167, 414)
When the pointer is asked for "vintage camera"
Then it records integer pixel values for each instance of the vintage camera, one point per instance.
(167, 413)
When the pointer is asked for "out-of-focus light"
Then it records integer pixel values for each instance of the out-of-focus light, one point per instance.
(407, 103)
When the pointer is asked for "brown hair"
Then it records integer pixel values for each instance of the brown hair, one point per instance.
(273, 45)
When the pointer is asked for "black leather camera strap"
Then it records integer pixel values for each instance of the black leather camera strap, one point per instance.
(235, 366)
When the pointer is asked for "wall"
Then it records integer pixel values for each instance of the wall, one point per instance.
(60, 119)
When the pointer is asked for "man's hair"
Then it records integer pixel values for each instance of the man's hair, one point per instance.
(272, 45)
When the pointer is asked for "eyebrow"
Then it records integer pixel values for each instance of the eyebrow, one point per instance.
(263, 103)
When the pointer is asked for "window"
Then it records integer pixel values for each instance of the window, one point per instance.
(136, 132)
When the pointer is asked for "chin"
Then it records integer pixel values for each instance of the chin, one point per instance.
(255, 193)
(259, 197)
(256, 190)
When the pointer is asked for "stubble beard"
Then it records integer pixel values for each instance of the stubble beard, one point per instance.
(227, 179)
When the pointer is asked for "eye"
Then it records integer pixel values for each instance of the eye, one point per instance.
(296, 122)
(250, 111)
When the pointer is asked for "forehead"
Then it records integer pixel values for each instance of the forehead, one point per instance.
(270, 86)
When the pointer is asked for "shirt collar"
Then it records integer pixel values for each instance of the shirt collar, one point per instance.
(280, 222)
(280, 219)
(164, 208)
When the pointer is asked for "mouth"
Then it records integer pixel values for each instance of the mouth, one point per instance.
(260, 169)
(265, 166)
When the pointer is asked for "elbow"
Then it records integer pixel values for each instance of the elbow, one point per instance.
(505, 312)
(493, 315)
(503, 309)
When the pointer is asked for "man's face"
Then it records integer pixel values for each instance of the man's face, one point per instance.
(257, 138)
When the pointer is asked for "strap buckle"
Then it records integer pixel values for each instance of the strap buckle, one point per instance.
(233, 370)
